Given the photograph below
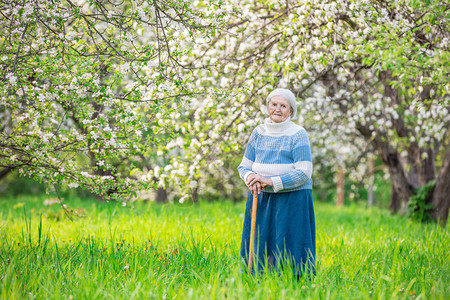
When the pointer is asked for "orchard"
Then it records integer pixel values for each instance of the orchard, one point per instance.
(119, 102)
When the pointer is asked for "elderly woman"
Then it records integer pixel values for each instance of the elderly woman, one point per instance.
(278, 155)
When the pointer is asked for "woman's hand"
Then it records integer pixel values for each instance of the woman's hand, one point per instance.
(256, 181)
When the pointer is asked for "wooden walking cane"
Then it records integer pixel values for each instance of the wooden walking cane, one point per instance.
(252, 232)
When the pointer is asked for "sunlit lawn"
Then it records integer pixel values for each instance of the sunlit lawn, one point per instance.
(149, 251)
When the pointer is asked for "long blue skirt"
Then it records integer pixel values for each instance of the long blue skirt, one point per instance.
(285, 232)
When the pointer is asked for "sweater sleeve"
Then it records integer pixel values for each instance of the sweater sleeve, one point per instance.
(301, 153)
(245, 167)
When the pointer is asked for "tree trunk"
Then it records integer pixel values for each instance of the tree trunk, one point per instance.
(405, 173)
(194, 195)
(340, 186)
(395, 203)
(426, 169)
(161, 195)
(402, 189)
(5, 172)
(371, 178)
(441, 192)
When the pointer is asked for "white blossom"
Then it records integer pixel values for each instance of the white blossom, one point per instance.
(12, 79)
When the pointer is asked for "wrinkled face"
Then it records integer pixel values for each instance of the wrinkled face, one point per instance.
(279, 109)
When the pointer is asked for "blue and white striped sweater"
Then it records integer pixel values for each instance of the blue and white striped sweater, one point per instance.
(282, 152)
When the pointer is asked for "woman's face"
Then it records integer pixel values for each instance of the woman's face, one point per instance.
(279, 109)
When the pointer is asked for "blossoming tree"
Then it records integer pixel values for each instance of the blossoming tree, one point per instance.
(81, 82)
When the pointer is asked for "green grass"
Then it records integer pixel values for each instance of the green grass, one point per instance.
(180, 252)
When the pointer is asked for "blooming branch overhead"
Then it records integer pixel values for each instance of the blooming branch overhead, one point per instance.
(82, 82)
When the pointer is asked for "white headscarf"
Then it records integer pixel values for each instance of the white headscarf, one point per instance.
(289, 96)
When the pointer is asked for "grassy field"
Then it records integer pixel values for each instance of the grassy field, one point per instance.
(148, 251)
